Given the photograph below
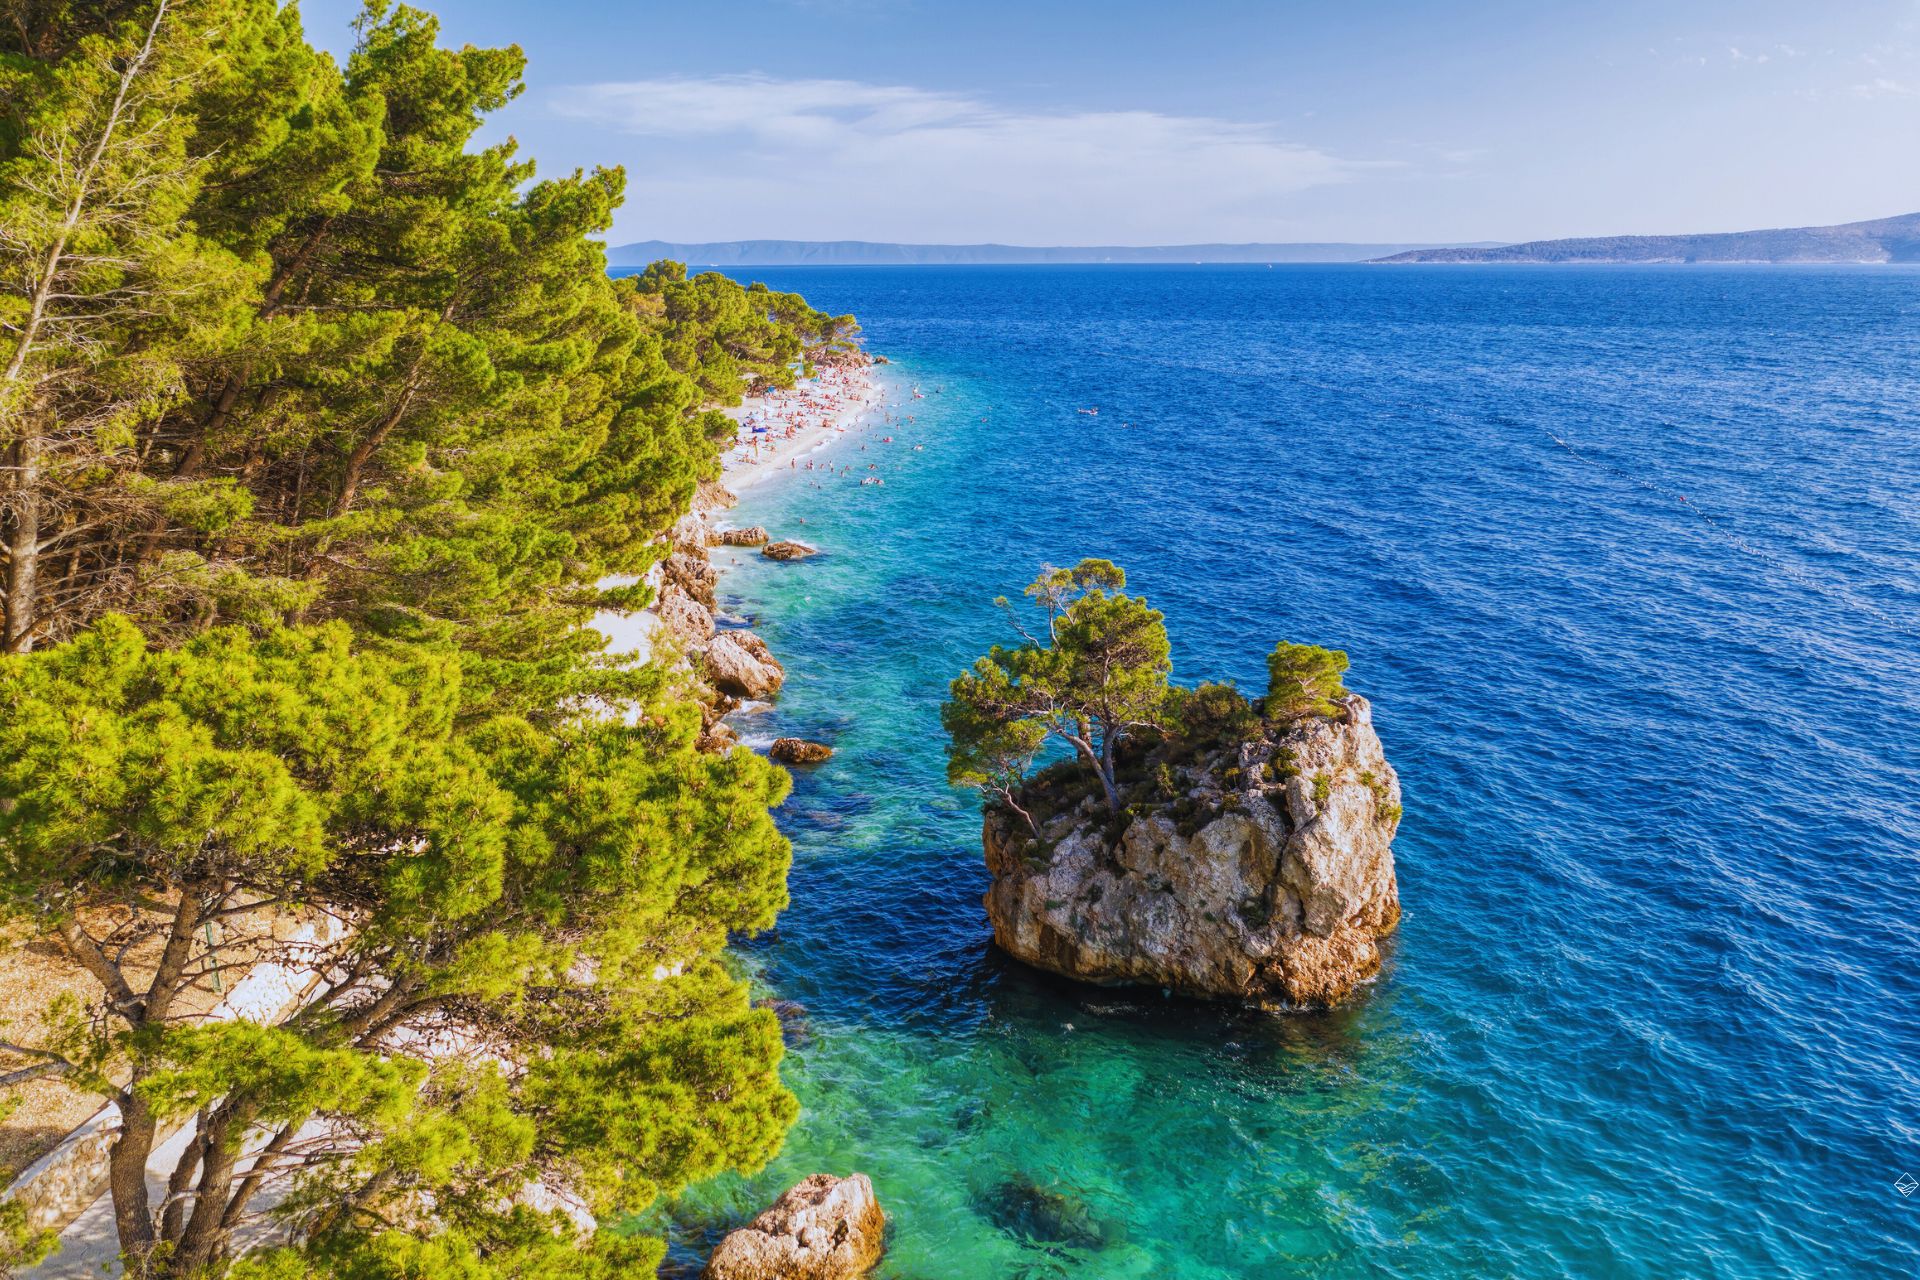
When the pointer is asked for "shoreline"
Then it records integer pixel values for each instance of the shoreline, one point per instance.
(802, 421)
(799, 422)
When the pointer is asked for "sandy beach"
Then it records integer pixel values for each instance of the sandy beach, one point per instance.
(797, 423)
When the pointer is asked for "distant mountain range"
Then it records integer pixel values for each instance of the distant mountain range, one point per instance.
(1883, 240)
(843, 253)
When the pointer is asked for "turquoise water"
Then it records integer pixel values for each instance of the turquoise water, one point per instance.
(1626, 560)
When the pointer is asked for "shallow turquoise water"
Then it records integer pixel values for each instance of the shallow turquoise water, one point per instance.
(1626, 560)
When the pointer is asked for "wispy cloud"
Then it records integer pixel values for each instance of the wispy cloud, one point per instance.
(1885, 87)
(843, 157)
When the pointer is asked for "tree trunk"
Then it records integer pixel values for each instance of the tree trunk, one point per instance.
(1107, 736)
(23, 545)
(205, 1235)
(196, 450)
(1102, 769)
(263, 1167)
(1006, 798)
(364, 451)
(173, 1213)
(127, 1161)
(127, 1180)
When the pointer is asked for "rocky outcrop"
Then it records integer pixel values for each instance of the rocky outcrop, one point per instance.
(690, 572)
(739, 663)
(711, 495)
(824, 1228)
(751, 536)
(799, 751)
(1266, 875)
(683, 617)
(788, 550)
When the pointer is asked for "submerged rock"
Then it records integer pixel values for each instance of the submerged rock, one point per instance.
(1027, 1211)
(1269, 878)
(788, 550)
(739, 663)
(795, 1030)
(799, 751)
(824, 1228)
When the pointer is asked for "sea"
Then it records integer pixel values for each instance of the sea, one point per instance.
(1628, 562)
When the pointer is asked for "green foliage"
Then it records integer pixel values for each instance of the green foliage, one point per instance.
(21, 1244)
(335, 420)
(1303, 680)
(1096, 680)
(1098, 676)
(729, 339)
(989, 752)
(1209, 714)
(346, 348)
(482, 866)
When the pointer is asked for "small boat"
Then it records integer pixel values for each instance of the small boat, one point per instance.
(1091, 413)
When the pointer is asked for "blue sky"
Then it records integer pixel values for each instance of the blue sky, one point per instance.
(1212, 120)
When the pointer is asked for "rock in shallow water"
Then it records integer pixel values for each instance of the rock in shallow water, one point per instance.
(751, 536)
(799, 751)
(824, 1228)
(1271, 882)
(787, 550)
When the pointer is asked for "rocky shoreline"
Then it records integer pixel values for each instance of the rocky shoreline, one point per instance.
(825, 1227)
(684, 627)
(730, 664)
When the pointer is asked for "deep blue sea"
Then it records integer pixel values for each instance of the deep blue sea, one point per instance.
(1628, 561)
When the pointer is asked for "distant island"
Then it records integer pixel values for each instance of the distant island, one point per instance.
(1882, 240)
(865, 253)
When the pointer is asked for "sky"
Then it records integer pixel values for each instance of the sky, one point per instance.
(1192, 121)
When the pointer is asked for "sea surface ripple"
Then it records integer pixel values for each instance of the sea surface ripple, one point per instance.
(1627, 561)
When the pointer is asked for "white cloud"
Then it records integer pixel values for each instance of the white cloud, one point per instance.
(1885, 87)
(741, 156)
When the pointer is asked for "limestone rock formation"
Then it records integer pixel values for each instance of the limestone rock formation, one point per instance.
(799, 751)
(739, 663)
(787, 550)
(683, 617)
(824, 1228)
(1269, 880)
(711, 495)
(692, 574)
(751, 536)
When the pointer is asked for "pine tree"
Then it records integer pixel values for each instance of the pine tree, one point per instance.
(1095, 677)
(321, 425)
(552, 898)
(101, 293)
